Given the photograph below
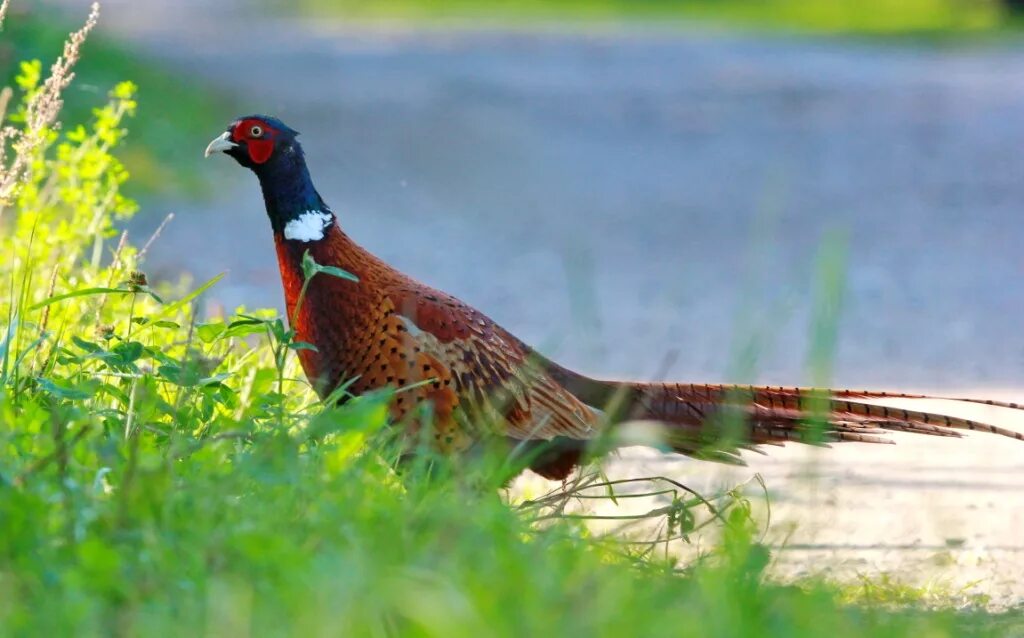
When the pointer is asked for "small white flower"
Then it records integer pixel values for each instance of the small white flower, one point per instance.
(309, 226)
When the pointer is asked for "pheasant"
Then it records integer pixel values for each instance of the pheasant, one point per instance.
(479, 382)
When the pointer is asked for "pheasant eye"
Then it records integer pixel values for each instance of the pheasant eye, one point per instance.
(256, 131)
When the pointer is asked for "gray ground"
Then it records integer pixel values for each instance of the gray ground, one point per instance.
(651, 203)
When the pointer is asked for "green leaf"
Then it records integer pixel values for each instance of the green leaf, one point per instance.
(58, 391)
(28, 349)
(189, 374)
(309, 266)
(88, 346)
(5, 346)
(209, 332)
(174, 307)
(77, 134)
(144, 321)
(104, 355)
(85, 292)
(339, 273)
(310, 269)
(124, 90)
(149, 291)
(128, 352)
(115, 392)
(340, 392)
(280, 333)
(31, 72)
(245, 327)
(215, 379)
(302, 345)
(170, 372)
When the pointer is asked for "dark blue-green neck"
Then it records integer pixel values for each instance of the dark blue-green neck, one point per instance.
(288, 190)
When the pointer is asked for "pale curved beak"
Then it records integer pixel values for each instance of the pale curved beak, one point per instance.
(221, 143)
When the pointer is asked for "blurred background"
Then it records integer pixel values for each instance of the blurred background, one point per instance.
(646, 188)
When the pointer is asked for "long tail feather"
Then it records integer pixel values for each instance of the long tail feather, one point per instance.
(696, 413)
(868, 394)
(692, 404)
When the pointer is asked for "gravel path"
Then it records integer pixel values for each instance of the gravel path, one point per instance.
(650, 203)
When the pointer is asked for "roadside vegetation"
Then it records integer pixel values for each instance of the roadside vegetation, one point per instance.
(160, 151)
(165, 471)
(866, 17)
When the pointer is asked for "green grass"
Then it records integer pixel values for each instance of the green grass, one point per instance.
(175, 110)
(164, 472)
(832, 16)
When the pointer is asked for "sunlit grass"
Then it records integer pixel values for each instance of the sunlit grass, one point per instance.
(839, 16)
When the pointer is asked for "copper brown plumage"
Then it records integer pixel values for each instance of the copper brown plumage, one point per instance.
(471, 381)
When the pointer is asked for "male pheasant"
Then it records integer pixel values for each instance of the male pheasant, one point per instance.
(480, 382)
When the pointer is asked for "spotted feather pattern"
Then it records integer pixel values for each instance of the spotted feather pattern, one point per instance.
(473, 380)
(387, 330)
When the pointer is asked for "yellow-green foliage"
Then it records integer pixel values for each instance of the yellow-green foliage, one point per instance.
(67, 206)
(845, 16)
(83, 321)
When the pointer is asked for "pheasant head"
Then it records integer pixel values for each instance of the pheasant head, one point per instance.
(269, 148)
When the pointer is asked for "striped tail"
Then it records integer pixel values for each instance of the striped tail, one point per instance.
(715, 421)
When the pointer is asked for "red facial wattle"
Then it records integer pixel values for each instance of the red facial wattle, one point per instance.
(260, 148)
